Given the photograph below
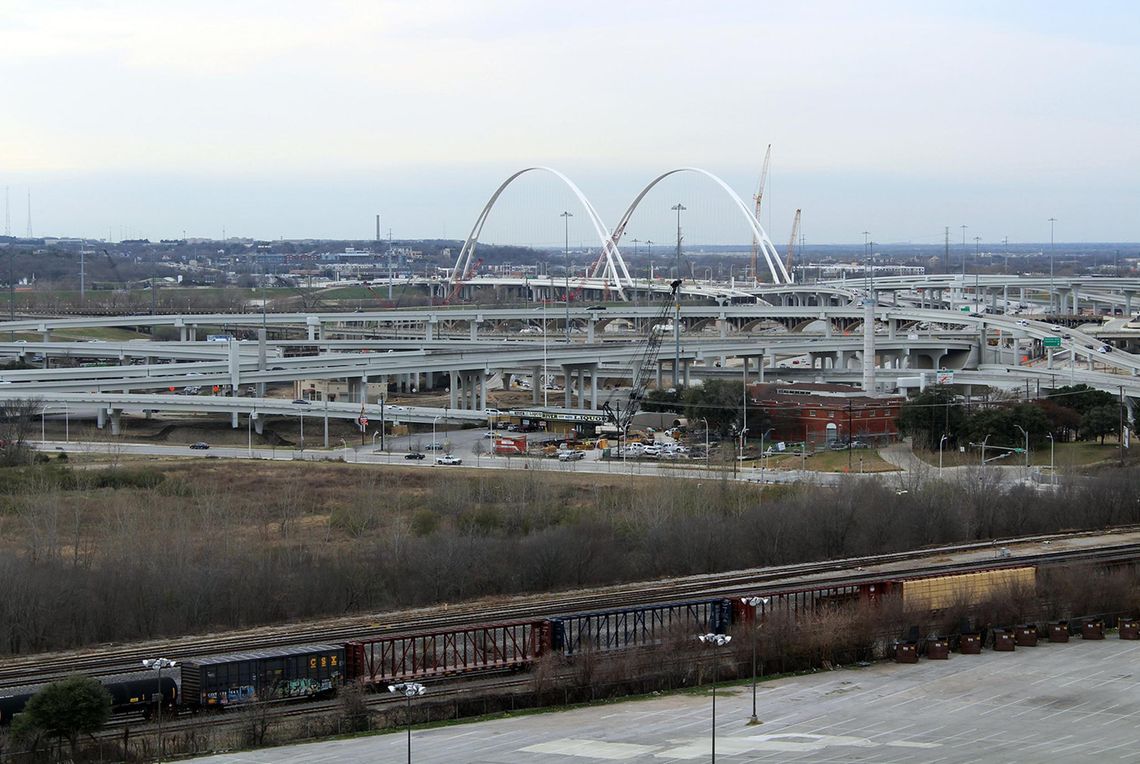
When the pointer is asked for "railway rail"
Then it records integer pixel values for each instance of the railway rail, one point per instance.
(1120, 544)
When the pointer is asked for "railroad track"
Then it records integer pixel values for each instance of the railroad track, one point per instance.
(1123, 543)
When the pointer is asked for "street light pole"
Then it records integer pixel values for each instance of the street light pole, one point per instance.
(714, 640)
(770, 429)
(409, 690)
(433, 421)
(754, 603)
(1026, 434)
(943, 440)
(566, 215)
(706, 443)
(159, 664)
(1052, 470)
(1052, 286)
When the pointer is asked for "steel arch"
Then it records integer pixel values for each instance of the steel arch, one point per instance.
(610, 253)
(771, 257)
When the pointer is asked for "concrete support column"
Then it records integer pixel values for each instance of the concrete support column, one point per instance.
(453, 394)
(234, 419)
(594, 386)
(182, 334)
(101, 417)
(581, 388)
(590, 326)
(116, 423)
(760, 368)
(660, 363)
(259, 424)
(429, 330)
(536, 383)
(892, 327)
(686, 366)
(1076, 301)
(474, 327)
(567, 384)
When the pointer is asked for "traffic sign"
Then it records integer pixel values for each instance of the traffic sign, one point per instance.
(363, 421)
(1052, 342)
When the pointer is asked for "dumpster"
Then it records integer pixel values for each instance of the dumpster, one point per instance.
(1092, 629)
(1059, 631)
(1004, 641)
(1025, 635)
(937, 648)
(1130, 628)
(906, 652)
(970, 644)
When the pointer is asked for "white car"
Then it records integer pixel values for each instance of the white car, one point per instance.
(448, 459)
(1056, 328)
(570, 456)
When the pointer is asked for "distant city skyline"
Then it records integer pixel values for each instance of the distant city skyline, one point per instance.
(273, 119)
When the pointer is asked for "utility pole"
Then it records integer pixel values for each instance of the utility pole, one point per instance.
(82, 276)
(964, 227)
(678, 208)
(1121, 425)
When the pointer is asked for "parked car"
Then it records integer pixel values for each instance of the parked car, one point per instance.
(435, 445)
(200, 445)
(448, 459)
(414, 455)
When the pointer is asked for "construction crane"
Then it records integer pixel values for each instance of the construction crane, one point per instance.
(462, 281)
(644, 365)
(792, 242)
(758, 198)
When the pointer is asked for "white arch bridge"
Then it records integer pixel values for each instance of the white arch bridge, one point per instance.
(610, 266)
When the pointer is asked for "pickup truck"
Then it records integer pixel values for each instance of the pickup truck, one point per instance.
(448, 459)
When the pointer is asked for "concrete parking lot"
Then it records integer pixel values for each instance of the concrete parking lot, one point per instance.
(1070, 702)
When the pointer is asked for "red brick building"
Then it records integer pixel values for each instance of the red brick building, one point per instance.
(821, 413)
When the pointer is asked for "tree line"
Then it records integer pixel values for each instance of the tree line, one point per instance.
(182, 549)
(1073, 412)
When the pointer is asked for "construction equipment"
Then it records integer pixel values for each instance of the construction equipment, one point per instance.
(758, 198)
(792, 242)
(462, 281)
(644, 365)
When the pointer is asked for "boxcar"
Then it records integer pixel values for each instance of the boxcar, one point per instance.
(303, 671)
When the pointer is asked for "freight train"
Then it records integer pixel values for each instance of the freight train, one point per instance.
(317, 670)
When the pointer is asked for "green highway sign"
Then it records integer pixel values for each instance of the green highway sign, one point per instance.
(1052, 342)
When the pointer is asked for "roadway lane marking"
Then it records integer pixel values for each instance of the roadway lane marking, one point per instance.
(591, 749)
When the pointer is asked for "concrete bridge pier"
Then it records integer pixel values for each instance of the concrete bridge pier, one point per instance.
(116, 421)
(101, 417)
(258, 423)
(536, 383)
(234, 419)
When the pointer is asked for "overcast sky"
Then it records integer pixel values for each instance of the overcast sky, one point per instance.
(301, 119)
